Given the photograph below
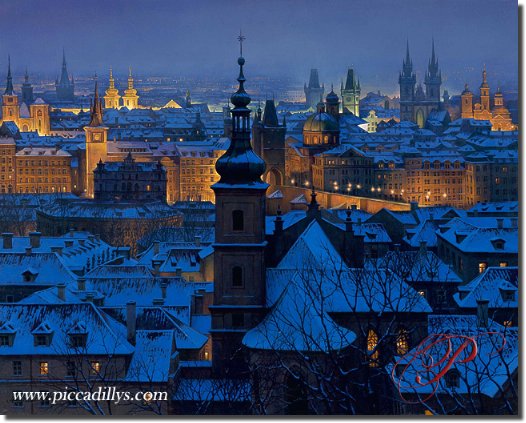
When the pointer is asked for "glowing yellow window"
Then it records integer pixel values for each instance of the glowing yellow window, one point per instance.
(95, 367)
(402, 342)
(372, 343)
(44, 367)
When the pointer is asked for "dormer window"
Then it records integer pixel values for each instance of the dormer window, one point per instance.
(29, 275)
(42, 335)
(7, 335)
(507, 294)
(498, 243)
(77, 340)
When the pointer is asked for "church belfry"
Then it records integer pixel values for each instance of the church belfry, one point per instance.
(351, 94)
(112, 98)
(313, 91)
(239, 267)
(433, 78)
(96, 142)
(484, 91)
(10, 109)
(130, 99)
(407, 81)
(27, 90)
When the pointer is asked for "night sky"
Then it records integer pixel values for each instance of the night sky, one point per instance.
(284, 38)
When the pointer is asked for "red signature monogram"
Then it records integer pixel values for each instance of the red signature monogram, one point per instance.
(432, 358)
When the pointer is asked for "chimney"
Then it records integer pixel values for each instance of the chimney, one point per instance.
(158, 302)
(163, 289)
(7, 240)
(178, 272)
(414, 205)
(354, 207)
(34, 239)
(197, 240)
(156, 266)
(156, 245)
(57, 250)
(61, 292)
(500, 223)
(28, 251)
(358, 250)
(482, 313)
(131, 320)
(81, 284)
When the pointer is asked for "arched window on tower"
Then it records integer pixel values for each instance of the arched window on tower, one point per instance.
(237, 277)
(238, 223)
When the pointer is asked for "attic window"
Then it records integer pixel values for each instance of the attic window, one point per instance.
(6, 340)
(42, 340)
(498, 244)
(77, 340)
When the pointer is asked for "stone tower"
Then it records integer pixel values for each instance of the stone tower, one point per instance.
(466, 106)
(27, 90)
(313, 91)
(130, 99)
(112, 99)
(484, 91)
(351, 94)
(96, 142)
(407, 81)
(65, 87)
(239, 267)
(433, 79)
(10, 109)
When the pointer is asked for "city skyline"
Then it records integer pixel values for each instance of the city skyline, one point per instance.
(115, 37)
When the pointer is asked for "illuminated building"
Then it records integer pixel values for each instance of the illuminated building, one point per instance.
(112, 97)
(351, 94)
(321, 132)
(43, 170)
(32, 118)
(130, 99)
(499, 117)
(415, 104)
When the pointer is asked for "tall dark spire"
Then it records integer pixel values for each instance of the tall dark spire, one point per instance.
(240, 164)
(270, 116)
(9, 86)
(64, 77)
(96, 108)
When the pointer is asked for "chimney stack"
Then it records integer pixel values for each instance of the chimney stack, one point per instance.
(131, 321)
(34, 239)
(156, 245)
(7, 238)
(28, 251)
(61, 291)
(178, 272)
(482, 313)
(81, 284)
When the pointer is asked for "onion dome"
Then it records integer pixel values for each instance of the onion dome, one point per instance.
(240, 165)
(321, 122)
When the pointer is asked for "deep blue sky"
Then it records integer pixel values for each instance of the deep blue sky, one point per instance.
(178, 37)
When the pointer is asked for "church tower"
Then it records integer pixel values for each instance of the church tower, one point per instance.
(96, 142)
(10, 109)
(65, 87)
(332, 104)
(27, 90)
(466, 105)
(239, 266)
(187, 100)
(407, 81)
(351, 94)
(313, 92)
(433, 79)
(112, 98)
(130, 98)
(484, 91)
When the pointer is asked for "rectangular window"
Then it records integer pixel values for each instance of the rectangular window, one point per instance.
(95, 367)
(17, 368)
(44, 368)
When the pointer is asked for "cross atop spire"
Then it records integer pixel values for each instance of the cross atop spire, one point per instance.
(241, 38)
